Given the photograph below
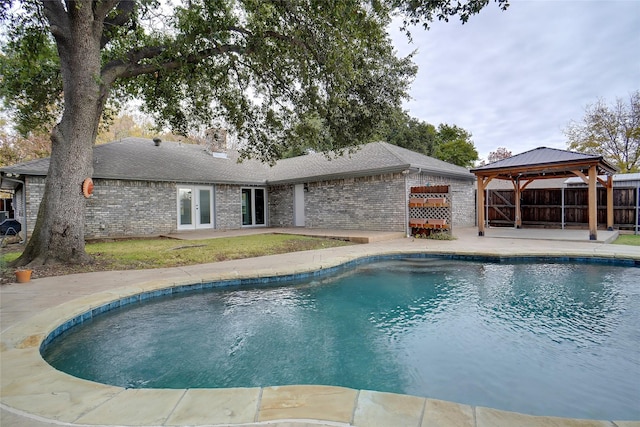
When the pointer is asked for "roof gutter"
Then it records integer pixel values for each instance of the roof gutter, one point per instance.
(368, 172)
(470, 177)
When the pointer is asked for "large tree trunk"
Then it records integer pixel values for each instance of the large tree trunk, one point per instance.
(58, 235)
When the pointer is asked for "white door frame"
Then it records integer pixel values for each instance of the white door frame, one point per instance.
(191, 211)
(251, 218)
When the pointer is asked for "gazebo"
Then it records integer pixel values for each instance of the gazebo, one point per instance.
(546, 163)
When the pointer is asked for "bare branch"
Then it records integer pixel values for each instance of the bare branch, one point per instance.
(56, 14)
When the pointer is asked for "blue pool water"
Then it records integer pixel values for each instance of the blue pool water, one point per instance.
(545, 339)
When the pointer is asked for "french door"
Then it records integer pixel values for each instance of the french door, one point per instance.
(195, 207)
(254, 207)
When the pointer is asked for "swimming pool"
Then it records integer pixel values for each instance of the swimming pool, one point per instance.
(552, 339)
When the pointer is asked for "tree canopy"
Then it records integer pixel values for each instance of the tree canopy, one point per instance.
(446, 142)
(612, 131)
(408, 132)
(279, 73)
(499, 154)
(273, 71)
(455, 146)
(16, 149)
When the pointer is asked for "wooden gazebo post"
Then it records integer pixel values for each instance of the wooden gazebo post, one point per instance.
(593, 203)
(482, 185)
(610, 202)
(480, 207)
(517, 195)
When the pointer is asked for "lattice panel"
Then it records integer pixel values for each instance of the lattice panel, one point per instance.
(430, 206)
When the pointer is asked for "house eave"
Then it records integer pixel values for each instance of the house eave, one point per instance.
(181, 180)
(339, 175)
(469, 177)
(370, 172)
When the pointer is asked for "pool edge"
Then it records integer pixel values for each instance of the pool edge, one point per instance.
(21, 343)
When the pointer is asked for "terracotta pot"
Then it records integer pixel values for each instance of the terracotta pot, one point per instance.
(23, 276)
(438, 189)
(430, 189)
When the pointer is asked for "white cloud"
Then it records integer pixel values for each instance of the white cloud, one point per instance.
(515, 79)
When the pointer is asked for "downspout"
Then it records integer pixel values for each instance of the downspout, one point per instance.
(406, 173)
(406, 203)
(24, 202)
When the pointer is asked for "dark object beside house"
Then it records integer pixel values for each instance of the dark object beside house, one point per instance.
(10, 227)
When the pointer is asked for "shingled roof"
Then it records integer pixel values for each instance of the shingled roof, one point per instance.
(369, 159)
(139, 159)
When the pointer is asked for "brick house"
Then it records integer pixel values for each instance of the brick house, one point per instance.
(144, 188)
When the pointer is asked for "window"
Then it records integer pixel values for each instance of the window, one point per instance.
(254, 206)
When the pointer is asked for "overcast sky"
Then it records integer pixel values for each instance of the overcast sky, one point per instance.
(516, 79)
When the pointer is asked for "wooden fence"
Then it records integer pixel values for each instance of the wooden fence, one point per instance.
(543, 207)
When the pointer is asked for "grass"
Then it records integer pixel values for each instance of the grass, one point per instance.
(628, 239)
(161, 253)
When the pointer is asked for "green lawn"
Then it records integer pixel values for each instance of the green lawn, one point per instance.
(158, 253)
(628, 239)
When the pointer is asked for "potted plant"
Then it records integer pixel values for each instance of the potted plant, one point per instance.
(23, 276)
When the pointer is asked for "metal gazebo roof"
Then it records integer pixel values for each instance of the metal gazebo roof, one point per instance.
(543, 162)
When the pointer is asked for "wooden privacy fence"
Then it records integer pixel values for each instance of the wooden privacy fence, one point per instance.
(544, 207)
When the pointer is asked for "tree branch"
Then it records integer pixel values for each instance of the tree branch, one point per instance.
(101, 8)
(124, 10)
(132, 67)
(58, 20)
(273, 35)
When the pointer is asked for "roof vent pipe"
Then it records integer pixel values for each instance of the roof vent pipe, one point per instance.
(157, 141)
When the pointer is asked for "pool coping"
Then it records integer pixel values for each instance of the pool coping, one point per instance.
(33, 389)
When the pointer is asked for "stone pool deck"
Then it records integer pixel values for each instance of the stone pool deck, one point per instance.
(34, 394)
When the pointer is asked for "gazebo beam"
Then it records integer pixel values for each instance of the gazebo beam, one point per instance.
(582, 176)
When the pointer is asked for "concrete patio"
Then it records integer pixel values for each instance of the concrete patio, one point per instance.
(34, 394)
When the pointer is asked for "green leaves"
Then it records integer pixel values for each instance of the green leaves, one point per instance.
(321, 74)
(455, 146)
(612, 131)
(31, 84)
(415, 12)
(449, 143)
(281, 74)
